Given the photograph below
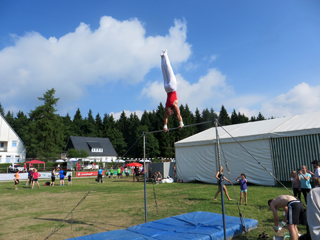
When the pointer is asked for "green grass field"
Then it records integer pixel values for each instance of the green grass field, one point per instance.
(117, 204)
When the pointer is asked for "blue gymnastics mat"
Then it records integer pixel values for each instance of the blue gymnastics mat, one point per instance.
(194, 225)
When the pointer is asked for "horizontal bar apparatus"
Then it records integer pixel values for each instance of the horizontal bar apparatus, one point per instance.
(191, 125)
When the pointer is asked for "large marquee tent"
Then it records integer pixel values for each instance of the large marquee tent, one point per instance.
(281, 145)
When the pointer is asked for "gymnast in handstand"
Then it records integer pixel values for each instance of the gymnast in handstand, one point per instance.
(170, 86)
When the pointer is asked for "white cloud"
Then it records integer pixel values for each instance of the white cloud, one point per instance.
(213, 58)
(210, 89)
(117, 50)
(302, 99)
(117, 115)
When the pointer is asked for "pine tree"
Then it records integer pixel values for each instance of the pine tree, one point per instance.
(224, 118)
(235, 117)
(98, 126)
(46, 128)
(77, 126)
(9, 118)
(20, 126)
(2, 110)
(89, 125)
(260, 117)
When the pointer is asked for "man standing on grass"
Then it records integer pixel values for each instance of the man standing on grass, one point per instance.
(16, 179)
(316, 167)
(100, 175)
(294, 213)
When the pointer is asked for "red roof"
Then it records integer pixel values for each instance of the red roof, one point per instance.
(34, 161)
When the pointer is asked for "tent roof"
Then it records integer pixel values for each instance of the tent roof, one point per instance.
(273, 128)
(35, 161)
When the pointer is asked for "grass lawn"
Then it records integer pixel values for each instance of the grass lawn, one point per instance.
(118, 204)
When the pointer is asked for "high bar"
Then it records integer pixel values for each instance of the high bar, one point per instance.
(191, 125)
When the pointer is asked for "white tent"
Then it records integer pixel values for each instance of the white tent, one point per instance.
(196, 155)
(147, 160)
(120, 160)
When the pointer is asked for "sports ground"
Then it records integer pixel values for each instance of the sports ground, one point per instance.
(117, 204)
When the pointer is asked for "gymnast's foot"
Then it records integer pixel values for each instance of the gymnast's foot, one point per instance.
(181, 125)
(163, 52)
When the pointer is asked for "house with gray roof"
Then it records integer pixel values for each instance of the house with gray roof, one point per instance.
(99, 149)
(11, 146)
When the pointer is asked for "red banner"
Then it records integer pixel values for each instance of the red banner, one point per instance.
(88, 174)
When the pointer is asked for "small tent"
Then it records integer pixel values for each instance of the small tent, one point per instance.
(34, 161)
(280, 145)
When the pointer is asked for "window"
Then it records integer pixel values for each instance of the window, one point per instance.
(96, 149)
(8, 159)
(14, 143)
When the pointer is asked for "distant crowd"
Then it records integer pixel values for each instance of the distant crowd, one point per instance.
(33, 176)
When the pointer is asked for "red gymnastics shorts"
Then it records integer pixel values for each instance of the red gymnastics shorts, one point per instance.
(171, 97)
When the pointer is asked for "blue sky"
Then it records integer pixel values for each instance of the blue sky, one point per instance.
(251, 56)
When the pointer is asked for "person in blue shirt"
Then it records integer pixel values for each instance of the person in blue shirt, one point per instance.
(305, 178)
(243, 187)
(61, 173)
(100, 175)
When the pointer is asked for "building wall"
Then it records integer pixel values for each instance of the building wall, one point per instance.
(102, 158)
(13, 148)
(290, 153)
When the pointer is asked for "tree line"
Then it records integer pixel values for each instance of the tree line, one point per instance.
(45, 133)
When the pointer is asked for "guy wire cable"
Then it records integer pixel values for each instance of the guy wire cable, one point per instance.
(257, 161)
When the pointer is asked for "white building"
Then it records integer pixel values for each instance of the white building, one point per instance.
(11, 146)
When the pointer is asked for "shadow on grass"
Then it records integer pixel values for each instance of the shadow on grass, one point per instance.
(197, 199)
(72, 221)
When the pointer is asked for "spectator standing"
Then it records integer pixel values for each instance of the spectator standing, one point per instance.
(126, 171)
(69, 179)
(137, 173)
(78, 166)
(100, 171)
(118, 172)
(224, 187)
(121, 171)
(61, 173)
(35, 178)
(16, 179)
(53, 177)
(111, 172)
(296, 185)
(29, 178)
(316, 167)
(313, 211)
(243, 187)
(305, 179)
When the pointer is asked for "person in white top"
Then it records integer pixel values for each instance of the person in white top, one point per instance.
(313, 212)
(170, 86)
(316, 173)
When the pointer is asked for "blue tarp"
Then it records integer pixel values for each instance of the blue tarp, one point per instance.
(195, 225)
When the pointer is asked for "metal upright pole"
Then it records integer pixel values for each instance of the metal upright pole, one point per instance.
(221, 180)
(145, 177)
